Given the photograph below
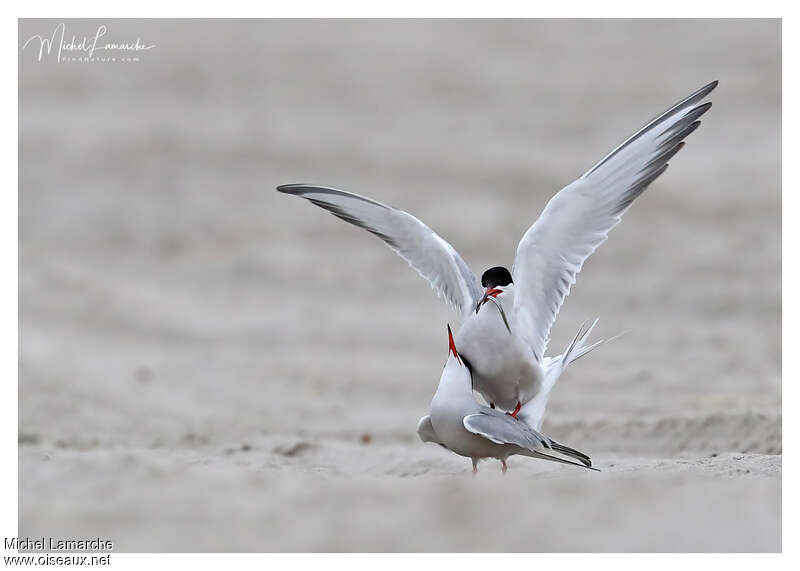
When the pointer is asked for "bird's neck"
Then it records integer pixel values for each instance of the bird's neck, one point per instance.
(456, 381)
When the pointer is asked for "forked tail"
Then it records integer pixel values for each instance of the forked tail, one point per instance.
(578, 348)
(533, 411)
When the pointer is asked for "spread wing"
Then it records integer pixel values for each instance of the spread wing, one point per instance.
(578, 219)
(424, 250)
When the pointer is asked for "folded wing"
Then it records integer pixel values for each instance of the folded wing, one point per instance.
(424, 250)
(501, 428)
(578, 219)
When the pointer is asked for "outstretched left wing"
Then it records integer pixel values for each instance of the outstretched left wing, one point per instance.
(424, 250)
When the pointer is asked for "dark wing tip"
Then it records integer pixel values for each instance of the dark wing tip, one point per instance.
(705, 90)
(697, 112)
(681, 105)
(571, 451)
(700, 109)
(291, 188)
(305, 188)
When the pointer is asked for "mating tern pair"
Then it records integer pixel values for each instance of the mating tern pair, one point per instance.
(507, 316)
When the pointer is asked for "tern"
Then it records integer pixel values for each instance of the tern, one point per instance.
(462, 425)
(507, 315)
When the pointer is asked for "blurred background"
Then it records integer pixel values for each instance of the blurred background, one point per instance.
(206, 364)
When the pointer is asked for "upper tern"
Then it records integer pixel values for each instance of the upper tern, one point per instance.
(507, 316)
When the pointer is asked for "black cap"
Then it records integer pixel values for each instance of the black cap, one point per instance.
(496, 276)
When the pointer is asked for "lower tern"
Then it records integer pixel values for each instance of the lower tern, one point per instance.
(458, 423)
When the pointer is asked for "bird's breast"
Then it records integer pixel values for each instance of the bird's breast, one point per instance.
(503, 366)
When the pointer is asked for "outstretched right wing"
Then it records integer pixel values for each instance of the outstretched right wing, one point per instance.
(579, 217)
(424, 250)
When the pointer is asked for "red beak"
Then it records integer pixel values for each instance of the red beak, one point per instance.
(452, 344)
(490, 292)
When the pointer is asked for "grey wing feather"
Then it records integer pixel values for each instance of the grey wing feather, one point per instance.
(424, 250)
(544, 456)
(501, 428)
(572, 453)
(579, 217)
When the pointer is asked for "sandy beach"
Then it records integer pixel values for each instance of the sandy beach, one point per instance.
(208, 365)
